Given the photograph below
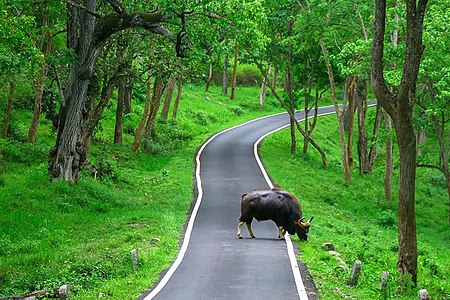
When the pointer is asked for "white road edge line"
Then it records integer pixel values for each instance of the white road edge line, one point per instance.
(187, 235)
(290, 247)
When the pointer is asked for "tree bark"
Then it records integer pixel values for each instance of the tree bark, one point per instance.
(8, 110)
(389, 166)
(225, 76)
(168, 100)
(45, 47)
(179, 92)
(233, 77)
(128, 92)
(351, 82)
(262, 94)
(400, 106)
(158, 90)
(210, 74)
(275, 78)
(140, 129)
(118, 129)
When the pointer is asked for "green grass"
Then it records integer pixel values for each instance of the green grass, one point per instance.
(54, 233)
(358, 221)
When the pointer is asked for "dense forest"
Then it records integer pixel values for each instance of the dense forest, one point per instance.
(102, 102)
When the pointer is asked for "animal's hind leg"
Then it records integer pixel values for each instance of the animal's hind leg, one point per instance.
(239, 223)
(249, 227)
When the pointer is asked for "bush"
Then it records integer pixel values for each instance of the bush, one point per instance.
(387, 219)
(104, 170)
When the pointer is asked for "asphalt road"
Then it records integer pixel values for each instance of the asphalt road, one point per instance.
(213, 263)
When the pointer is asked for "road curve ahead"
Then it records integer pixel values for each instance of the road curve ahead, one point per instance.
(213, 263)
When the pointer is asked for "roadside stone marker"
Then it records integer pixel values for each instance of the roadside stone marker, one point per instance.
(355, 273)
(133, 254)
(423, 295)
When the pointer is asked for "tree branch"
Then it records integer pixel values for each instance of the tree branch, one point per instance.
(77, 5)
(110, 24)
(117, 6)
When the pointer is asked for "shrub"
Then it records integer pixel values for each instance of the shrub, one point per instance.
(387, 219)
(104, 170)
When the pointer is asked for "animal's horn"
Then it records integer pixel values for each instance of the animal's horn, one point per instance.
(310, 219)
(301, 220)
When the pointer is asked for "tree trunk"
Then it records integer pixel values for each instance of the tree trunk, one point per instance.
(400, 107)
(275, 78)
(351, 82)
(233, 77)
(340, 116)
(262, 94)
(210, 75)
(225, 76)
(140, 129)
(168, 100)
(128, 92)
(118, 129)
(177, 100)
(158, 90)
(389, 168)
(8, 110)
(95, 115)
(45, 47)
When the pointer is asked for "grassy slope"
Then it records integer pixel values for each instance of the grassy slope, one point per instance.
(358, 221)
(53, 233)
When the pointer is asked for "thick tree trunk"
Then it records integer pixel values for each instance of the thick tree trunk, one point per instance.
(233, 77)
(407, 260)
(177, 100)
(389, 166)
(8, 110)
(225, 76)
(168, 100)
(400, 106)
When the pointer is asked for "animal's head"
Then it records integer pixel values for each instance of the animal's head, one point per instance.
(302, 228)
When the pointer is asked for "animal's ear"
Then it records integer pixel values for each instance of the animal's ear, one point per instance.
(244, 195)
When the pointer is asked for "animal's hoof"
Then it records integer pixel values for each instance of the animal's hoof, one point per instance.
(240, 237)
(253, 236)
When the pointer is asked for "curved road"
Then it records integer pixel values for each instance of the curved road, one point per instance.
(213, 263)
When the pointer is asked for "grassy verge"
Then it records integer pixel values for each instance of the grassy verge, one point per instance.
(358, 221)
(54, 233)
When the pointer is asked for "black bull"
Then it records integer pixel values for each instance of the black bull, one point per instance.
(277, 205)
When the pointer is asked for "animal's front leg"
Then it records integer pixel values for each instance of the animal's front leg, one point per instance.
(281, 232)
